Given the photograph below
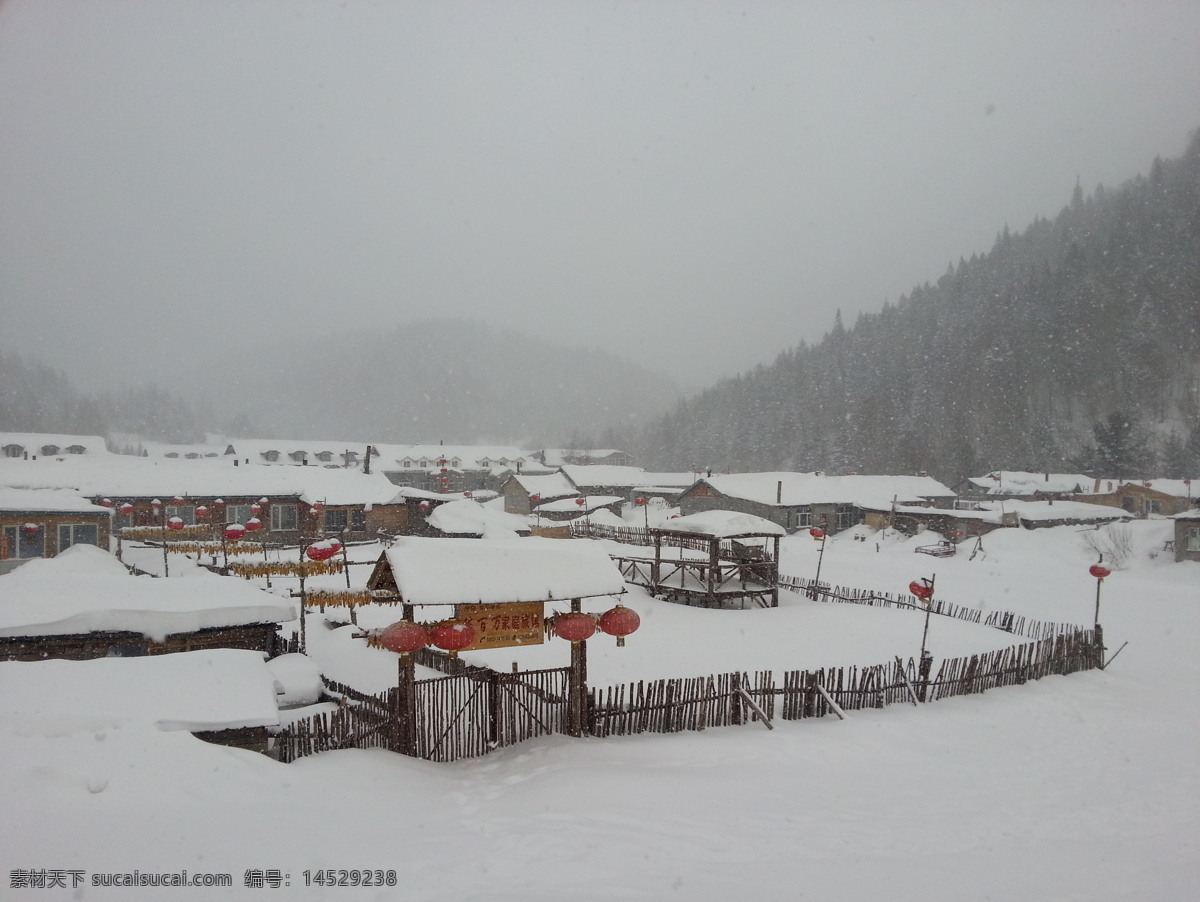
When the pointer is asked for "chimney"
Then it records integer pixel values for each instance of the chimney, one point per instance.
(779, 492)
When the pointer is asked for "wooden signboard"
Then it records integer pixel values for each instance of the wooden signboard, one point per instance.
(504, 625)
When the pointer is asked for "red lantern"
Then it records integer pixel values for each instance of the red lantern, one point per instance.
(31, 529)
(1099, 571)
(219, 502)
(253, 524)
(922, 590)
(581, 501)
(235, 531)
(404, 637)
(156, 504)
(320, 551)
(467, 494)
(179, 499)
(575, 626)
(202, 512)
(444, 470)
(620, 622)
(126, 509)
(535, 498)
(452, 636)
(175, 522)
(256, 508)
(424, 505)
(639, 501)
(105, 502)
(318, 506)
(817, 532)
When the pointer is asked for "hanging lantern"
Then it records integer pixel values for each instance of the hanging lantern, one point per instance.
(535, 498)
(256, 508)
(219, 502)
(320, 551)
(424, 505)
(921, 590)
(105, 502)
(404, 637)
(125, 509)
(817, 532)
(620, 622)
(467, 494)
(1099, 571)
(574, 626)
(335, 544)
(639, 501)
(156, 504)
(452, 636)
(175, 523)
(31, 529)
(581, 501)
(318, 506)
(253, 524)
(235, 531)
(202, 512)
(444, 470)
(179, 499)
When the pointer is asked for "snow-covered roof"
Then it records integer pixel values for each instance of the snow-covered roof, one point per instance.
(1177, 488)
(987, 515)
(468, 517)
(1193, 514)
(486, 571)
(122, 476)
(39, 443)
(551, 485)
(793, 489)
(48, 501)
(629, 477)
(723, 524)
(210, 689)
(1035, 511)
(85, 589)
(1013, 482)
(590, 503)
(469, 456)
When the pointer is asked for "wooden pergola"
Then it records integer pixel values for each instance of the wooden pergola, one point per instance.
(711, 561)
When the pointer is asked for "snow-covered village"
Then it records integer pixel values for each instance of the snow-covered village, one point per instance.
(462, 672)
(534, 452)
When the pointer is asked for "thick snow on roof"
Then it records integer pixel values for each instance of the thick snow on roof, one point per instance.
(815, 488)
(86, 589)
(122, 476)
(591, 502)
(723, 524)
(466, 571)
(468, 455)
(1012, 482)
(551, 485)
(48, 501)
(1065, 510)
(34, 442)
(212, 689)
(630, 477)
(468, 517)
(1178, 488)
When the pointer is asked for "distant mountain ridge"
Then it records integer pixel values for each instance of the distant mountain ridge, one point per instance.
(1071, 344)
(457, 380)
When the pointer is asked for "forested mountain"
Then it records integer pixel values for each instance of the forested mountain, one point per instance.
(440, 379)
(1075, 343)
(37, 398)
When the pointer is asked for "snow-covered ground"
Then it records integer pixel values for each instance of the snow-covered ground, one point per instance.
(1081, 787)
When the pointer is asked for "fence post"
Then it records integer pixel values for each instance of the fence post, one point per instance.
(735, 700)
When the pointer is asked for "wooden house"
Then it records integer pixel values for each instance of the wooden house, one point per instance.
(627, 482)
(39, 523)
(798, 501)
(85, 604)
(1145, 498)
(522, 492)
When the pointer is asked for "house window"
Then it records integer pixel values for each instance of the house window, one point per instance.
(1151, 506)
(192, 455)
(1193, 538)
(424, 464)
(324, 456)
(283, 517)
(49, 450)
(358, 520)
(801, 519)
(77, 534)
(270, 456)
(238, 513)
(297, 456)
(15, 542)
(185, 512)
(335, 521)
(171, 454)
(845, 517)
(13, 450)
(76, 449)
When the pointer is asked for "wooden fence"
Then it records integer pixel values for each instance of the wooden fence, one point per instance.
(475, 710)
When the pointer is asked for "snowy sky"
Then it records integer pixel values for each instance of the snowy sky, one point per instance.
(176, 175)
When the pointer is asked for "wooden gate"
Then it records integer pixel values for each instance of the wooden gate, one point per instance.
(472, 713)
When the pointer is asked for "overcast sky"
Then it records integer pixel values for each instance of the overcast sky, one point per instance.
(695, 185)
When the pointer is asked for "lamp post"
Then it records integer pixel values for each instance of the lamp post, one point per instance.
(923, 589)
(818, 535)
(1099, 571)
